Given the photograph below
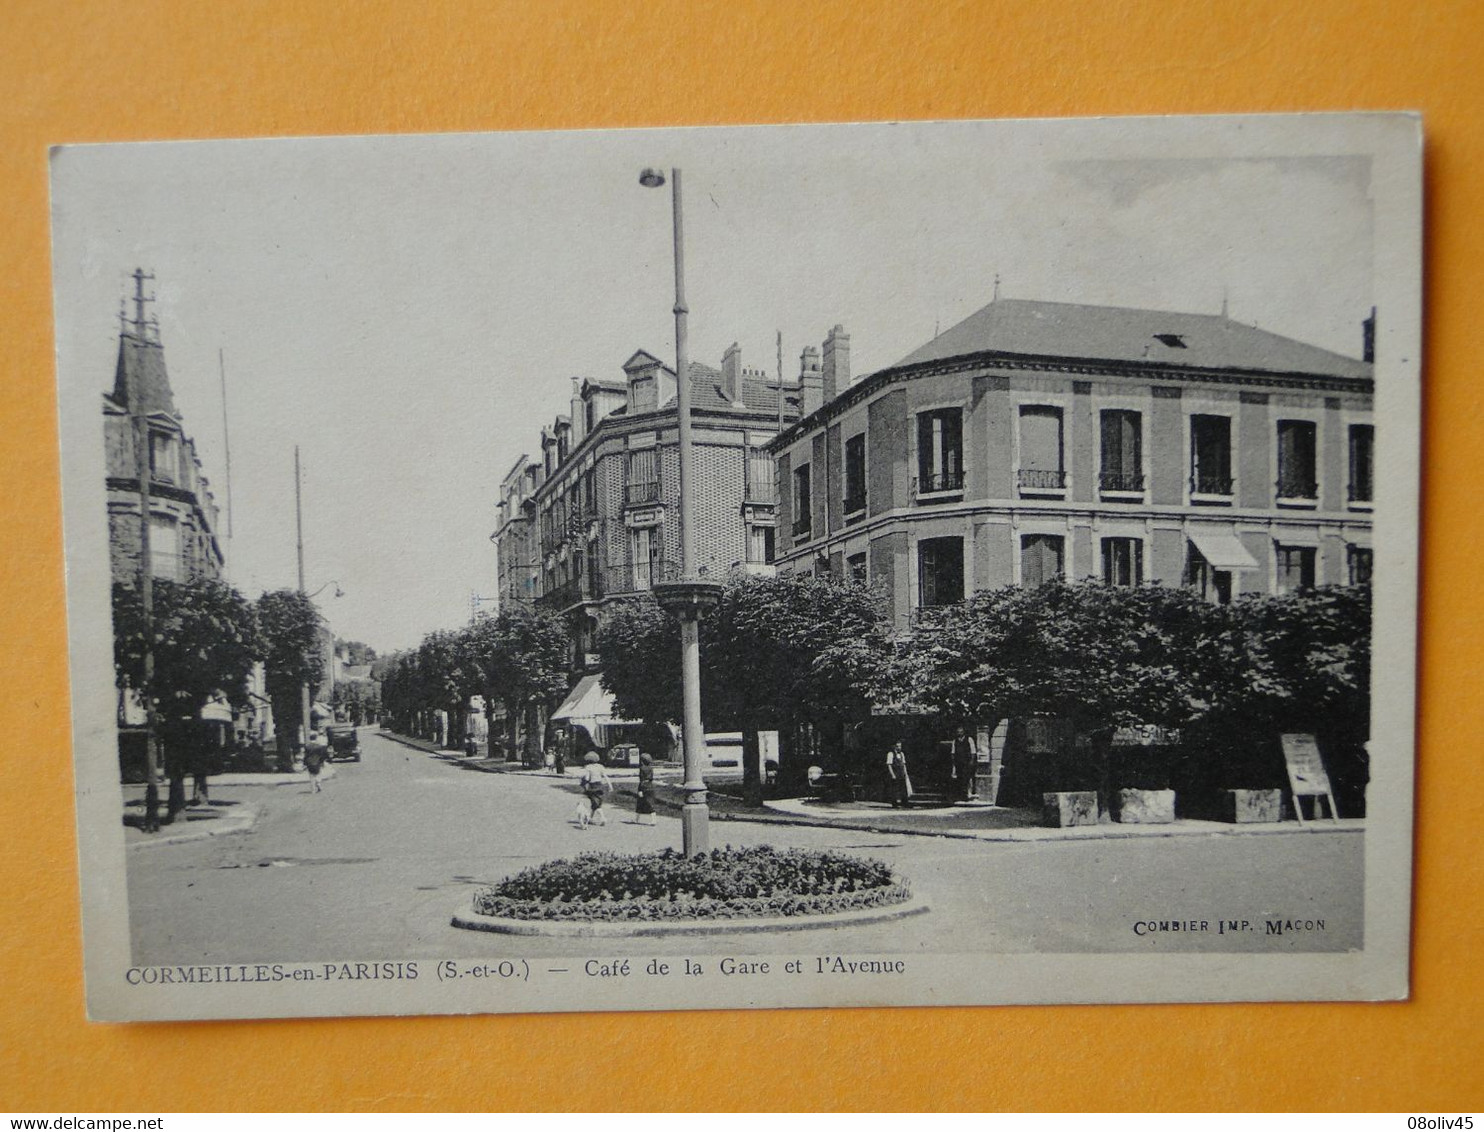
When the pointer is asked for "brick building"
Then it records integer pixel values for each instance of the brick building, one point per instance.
(1037, 440)
(183, 514)
(597, 517)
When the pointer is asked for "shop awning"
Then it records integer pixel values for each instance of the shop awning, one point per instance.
(586, 703)
(1222, 551)
(216, 711)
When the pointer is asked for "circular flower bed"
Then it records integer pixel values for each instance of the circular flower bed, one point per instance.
(723, 884)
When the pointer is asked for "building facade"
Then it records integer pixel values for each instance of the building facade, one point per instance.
(184, 543)
(1040, 440)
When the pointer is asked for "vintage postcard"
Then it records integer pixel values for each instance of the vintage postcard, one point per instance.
(893, 564)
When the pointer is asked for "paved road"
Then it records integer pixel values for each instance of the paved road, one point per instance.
(374, 866)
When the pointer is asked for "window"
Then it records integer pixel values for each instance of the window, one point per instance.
(1362, 462)
(1174, 340)
(803, 503)
(643, 484)
(1295, 568)
(855, 568)
(1122, 452)
(759, 545)
(1041, 449)
(1296, 479)
(940, 571)
(1211, 584)
(762, 483)
(940, 451)
(1123, 561)
(1359, 562)
(855, 474)
(590, 492)
(164, 548)
(643, 391)
(1041, 558)
(645, 545)
(1210, 455)
(589, 415)
(164, 460)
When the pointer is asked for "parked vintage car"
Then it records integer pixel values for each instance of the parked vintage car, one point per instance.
(623, 754)
(343, 742)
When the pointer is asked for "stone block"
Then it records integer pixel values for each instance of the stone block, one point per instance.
(1077, 807)
(1146, 807)
(1253, 806)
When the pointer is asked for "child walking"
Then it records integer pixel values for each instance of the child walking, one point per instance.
(595, 784)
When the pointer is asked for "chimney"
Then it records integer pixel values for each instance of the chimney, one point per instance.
(731, 374)
(1368, 338)
(836, 362)
(579, 418)
(811, 381)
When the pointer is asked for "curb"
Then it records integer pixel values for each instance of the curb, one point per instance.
(465, 917)
(242, 823)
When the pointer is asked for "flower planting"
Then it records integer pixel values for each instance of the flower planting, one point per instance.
(723, 884)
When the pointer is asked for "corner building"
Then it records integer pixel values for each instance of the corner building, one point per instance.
(1039, 440)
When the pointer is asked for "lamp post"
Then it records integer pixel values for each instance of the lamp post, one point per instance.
(688, 598)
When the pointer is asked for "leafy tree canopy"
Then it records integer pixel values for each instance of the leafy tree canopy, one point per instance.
(206, 640)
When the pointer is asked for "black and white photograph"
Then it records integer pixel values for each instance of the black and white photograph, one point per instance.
(881, 564)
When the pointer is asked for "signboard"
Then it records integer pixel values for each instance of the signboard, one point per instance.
(1306, 774)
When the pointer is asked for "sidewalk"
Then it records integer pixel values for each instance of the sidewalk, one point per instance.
(499, 765)
(217, 818)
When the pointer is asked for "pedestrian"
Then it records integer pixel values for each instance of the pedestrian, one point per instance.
(561, 744)
(965, 756)
(595, 785)
(644, 808)
(200, 767)
(901, 784)
(314, 759)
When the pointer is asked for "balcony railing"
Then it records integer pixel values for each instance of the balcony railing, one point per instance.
(1297, 487)
(855, 504)
(648, 492)
(1202, 484)
(1131, 482)
(1042, 479)
(562, 596)
(637, 577)
(938, 482)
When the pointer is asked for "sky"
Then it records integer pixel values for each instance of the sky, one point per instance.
(410, 311)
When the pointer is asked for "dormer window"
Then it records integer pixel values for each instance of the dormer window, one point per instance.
(644, 394)
(1174, 341)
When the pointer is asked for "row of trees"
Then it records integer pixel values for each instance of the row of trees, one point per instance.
(801, 654)
(518, 659)
(789, 651)
(206, 639)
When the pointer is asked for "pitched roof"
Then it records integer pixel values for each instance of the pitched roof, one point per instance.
(1127, 334)
(759, 395)
(141, 365)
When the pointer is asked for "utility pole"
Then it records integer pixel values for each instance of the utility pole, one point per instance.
(780, 381)
(140, 421)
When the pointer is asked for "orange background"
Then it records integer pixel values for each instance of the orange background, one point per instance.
(103, 70)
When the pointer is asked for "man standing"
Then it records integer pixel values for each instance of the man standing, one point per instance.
(965, 756)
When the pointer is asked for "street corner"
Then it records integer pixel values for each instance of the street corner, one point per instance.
(194, 823)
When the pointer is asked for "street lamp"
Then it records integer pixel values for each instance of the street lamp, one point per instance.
(688, 598)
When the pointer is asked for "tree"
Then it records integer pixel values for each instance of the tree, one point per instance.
(206, 639)
(776, 653)
(293, 657)
(520, 658)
